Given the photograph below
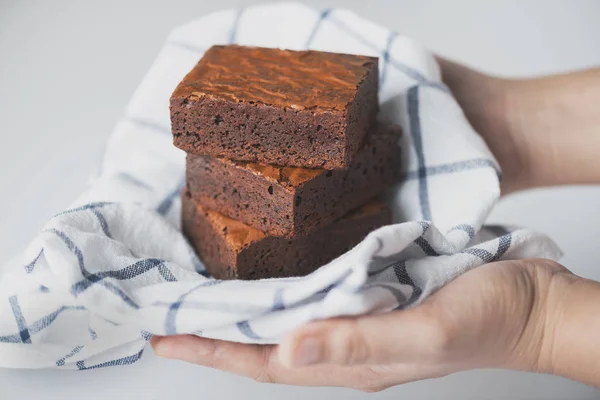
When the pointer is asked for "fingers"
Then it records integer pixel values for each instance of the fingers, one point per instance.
(240, 359)
(261, 363)
(399, 337)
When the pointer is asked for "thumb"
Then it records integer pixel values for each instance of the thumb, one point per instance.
(399, 336)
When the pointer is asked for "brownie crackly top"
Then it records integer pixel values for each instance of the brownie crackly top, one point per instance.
(283, 78)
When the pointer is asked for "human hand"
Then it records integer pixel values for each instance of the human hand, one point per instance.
(493, 316)
(543, 131)
(486, 102)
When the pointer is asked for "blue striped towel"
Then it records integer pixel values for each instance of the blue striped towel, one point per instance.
(114, 269)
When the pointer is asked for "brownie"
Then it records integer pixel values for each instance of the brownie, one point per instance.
(293, 201)
(281, 107)
(233, 250)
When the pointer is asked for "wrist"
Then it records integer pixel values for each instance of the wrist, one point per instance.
(506, 137)
(534, 147)
(534, 344)
(571, 347)
(522, 161)
(553, 122)
(555, 307)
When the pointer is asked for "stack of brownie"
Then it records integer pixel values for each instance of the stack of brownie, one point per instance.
(285, 159)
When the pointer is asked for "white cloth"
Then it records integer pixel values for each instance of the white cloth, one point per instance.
(104, 276)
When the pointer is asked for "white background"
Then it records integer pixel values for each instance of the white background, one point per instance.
(68, 68)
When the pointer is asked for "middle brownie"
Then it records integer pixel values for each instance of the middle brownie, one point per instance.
(290, 201)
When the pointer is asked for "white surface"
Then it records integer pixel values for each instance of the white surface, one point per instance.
(68, 68)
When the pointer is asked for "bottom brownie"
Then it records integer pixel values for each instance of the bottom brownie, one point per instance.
(233, 250)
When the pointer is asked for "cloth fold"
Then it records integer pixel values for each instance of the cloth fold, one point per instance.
(105, 275)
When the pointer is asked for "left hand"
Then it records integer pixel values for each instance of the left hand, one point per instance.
(491, 317)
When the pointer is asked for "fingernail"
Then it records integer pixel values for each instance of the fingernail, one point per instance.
(309, 352)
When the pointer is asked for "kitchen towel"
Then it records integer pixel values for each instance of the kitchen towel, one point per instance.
(114, 269)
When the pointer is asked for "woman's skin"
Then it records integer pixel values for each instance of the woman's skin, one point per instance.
(543, 131)
(529, 315)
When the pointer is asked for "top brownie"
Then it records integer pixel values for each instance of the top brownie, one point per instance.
(282, 107)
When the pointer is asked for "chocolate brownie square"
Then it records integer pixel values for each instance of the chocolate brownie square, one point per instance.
(233, 250)
(293, 201)
(281, 107)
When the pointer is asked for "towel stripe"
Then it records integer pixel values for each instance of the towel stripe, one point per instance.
(415, 131)
(20, 319)
(323, 16)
